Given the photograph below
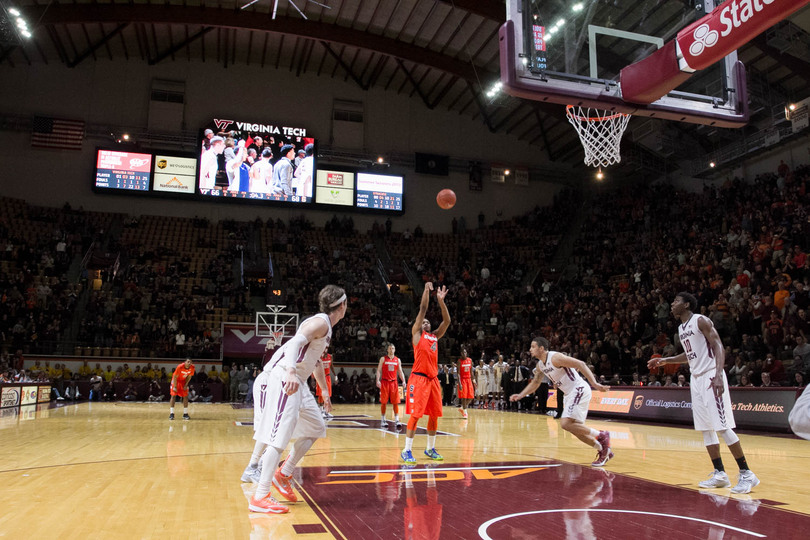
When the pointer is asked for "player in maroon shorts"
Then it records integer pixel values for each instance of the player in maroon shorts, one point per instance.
(466, 384)
(424, 395)
(389, 369)
(180, 381)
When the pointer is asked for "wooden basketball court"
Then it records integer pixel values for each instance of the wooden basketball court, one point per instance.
(123, 470)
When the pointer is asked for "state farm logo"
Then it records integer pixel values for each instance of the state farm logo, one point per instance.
(162, 164)
(138, 162)
(638, 402)
(704, 38)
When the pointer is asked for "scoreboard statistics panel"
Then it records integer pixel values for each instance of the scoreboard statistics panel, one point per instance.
(129, 171)
(379, 192)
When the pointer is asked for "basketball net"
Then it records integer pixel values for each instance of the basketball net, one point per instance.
(275, 338)
(600, 132)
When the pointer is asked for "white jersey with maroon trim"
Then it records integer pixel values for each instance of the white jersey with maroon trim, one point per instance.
(310, 354)
(565, 378)
(698, 352)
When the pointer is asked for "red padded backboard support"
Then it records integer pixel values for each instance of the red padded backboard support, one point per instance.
(649, 79)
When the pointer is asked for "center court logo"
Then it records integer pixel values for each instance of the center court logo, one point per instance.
(704, 37)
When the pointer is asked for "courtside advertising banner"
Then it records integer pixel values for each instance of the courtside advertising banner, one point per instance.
(614, 401)
(753, 407)
(763, 407)
(44, 394)
(29, 395)
(10, 396)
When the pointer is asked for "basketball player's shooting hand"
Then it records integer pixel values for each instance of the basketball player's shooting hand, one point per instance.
(429, 286)
(290, 382)
(441, 293)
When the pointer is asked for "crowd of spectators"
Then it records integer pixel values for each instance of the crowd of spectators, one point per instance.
(638, 246)
(37, 247)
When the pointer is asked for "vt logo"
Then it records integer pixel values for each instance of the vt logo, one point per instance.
(222, 125)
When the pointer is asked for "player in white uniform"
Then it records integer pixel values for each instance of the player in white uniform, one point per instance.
(564, 371)
(492, 391)
(499, 369)
(289, 410)
(481, 388)
(800, 415)
(253, 471)
(711, 404)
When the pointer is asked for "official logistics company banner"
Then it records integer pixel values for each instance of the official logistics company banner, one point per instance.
(752, 407)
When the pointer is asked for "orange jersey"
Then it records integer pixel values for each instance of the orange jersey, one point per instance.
(465, 368)
(326, 360)
(183, 374)
(426, 355)
(389, 369)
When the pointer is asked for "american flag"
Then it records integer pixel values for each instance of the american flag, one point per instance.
(55, 133)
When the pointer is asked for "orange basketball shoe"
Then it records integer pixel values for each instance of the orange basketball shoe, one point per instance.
(267, 505)
(283, 485)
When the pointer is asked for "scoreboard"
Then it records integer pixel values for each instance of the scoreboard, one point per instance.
(379, 192)
(123, 170)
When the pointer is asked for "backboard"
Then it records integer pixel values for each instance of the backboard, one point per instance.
(276, 324)
(574, 51)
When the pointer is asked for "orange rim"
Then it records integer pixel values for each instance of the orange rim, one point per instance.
(569, 108)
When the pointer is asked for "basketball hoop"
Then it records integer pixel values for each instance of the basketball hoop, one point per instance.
(275, 338)
(600, 132)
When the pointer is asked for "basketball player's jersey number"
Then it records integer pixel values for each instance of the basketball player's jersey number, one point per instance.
(433, 346)
(687, 346)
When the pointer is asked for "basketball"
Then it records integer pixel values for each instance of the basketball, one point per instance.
(446, 199)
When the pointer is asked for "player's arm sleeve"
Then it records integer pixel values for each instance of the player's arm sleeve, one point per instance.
(293, 350)
(312, 329)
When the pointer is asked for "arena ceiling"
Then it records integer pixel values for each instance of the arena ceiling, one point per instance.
(441, 52)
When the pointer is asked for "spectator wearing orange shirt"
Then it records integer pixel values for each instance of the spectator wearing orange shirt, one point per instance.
(780, 295)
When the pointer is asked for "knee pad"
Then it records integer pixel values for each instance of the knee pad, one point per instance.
(710, 438)
(729, 437)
